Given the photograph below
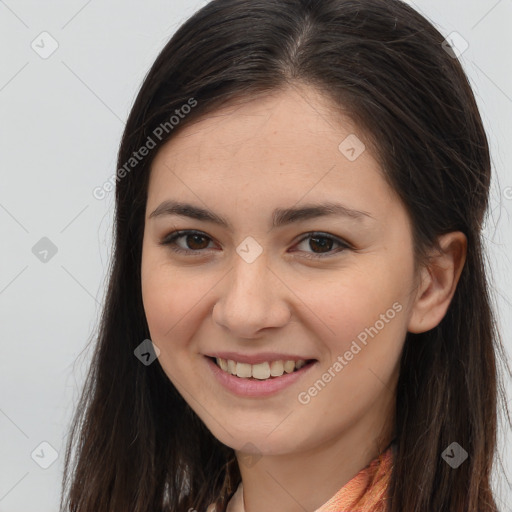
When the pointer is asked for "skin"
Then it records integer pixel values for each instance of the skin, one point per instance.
(277, 151)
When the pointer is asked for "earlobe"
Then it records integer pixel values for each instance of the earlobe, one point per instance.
(438, 283)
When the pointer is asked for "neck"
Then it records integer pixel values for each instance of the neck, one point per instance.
(306, 480)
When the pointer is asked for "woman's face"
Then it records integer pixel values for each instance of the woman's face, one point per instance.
(263, 276)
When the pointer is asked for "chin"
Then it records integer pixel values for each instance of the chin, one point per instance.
(257, 442)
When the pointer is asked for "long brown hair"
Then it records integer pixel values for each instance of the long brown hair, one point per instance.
(135, 445)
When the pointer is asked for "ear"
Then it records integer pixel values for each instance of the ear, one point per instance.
(438, 283)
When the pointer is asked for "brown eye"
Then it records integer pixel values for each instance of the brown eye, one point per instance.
(193, 241)
(322, 245)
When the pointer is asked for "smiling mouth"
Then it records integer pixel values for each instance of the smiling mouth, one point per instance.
(262, 371)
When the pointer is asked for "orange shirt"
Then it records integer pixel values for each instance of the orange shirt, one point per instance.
(366, 492)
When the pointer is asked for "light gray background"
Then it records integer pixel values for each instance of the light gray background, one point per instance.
(61, 120)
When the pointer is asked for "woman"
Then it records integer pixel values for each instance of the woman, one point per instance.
(298, 315)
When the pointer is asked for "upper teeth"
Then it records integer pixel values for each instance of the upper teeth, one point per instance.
(260, 371)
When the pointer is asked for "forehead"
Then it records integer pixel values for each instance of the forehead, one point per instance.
(284, 147)
(284, 120)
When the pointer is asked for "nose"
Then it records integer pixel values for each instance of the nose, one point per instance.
(252, 298)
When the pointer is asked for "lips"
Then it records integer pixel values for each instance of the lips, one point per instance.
(254, 387)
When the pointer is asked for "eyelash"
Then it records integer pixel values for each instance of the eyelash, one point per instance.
(171, 238)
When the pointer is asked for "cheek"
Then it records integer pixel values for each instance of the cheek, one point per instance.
(345, 305)
(164, 297)
(166, 305)
(372, 327)
(361, 318)
(174, 300)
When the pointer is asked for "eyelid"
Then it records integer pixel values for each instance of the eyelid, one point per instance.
(170, 238)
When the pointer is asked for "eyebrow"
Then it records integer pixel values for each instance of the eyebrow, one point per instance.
(280, 216)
